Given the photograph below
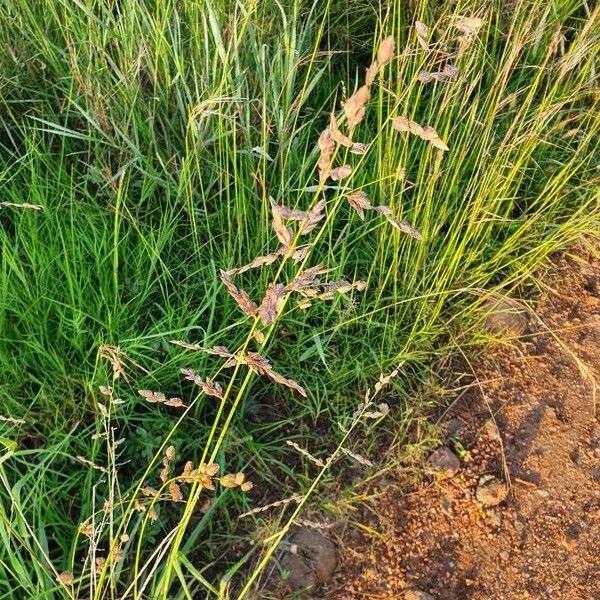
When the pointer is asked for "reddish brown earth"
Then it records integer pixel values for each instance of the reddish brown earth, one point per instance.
(543, 540)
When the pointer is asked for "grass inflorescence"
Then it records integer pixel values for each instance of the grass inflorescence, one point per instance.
(219, 221)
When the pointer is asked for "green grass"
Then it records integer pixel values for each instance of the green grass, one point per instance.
(134, 123)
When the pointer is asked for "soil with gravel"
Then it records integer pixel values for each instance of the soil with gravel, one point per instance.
(513, 508)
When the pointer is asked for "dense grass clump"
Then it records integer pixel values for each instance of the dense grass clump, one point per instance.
(149, 149)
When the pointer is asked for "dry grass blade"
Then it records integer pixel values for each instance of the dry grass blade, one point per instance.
(12, 421)
(188, 346)
(91, 464)
(25, 205)
(242, 299)
(295, 498)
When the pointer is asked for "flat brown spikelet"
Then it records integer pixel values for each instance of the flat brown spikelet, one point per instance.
(403, 226)
(175, 492)
(271, 304)
(355, 106)
(284, 235)
(306, 279)
(359, 201)
(260, 365)
(313, 216)
(427, 133)
(340, 173)
(326, 145)
(299, 253)
(259, 261)
(338, 136)
(242, 299)
(422, 35)
(385, 52)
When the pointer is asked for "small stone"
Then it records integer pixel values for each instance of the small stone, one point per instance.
(491, 491)
(491, 430)
(454, 428)
(417, 595)
(444, 462)
(504, 556)
(494, 518)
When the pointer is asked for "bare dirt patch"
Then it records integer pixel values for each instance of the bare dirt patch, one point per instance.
(526, 434)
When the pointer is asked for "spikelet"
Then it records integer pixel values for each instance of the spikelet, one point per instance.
(338, 136)
(355, 106)
(166, 462)
(449, 72)
(385, 52)
(305, 453)
(357, 457)
(470, 26)
(422, 35)
(208, 386)
(272, 303)
(403, 226)
(359, 201)
(160, 398)
(340, 172)
(260, 365)
(313, 216)
(283, 233)
(66, 578)
(429, 134)
(175, 492)
(233, 480)
(307, 279)
(326, 145)
(241, 297)
(259, 261)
